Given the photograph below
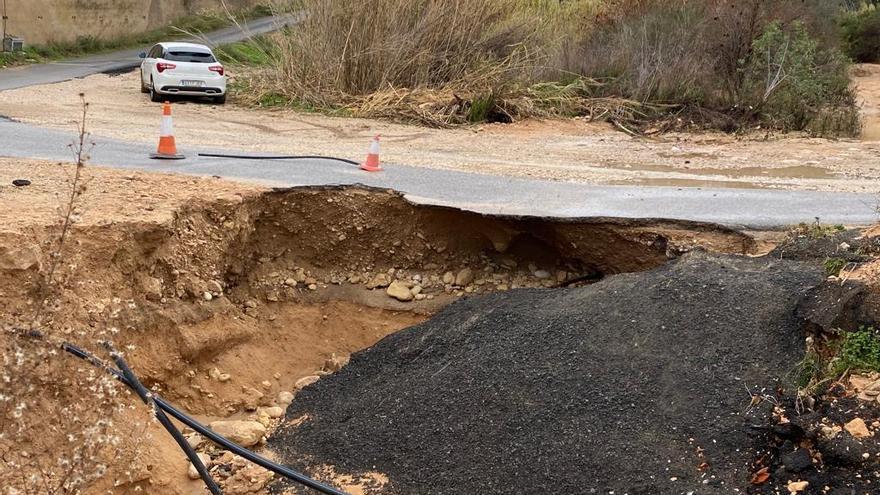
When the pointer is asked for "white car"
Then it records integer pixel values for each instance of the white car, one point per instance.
(185, 69)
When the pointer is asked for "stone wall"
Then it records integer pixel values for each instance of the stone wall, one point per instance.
(42, 21)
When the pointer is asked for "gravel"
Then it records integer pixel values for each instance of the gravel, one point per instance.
(639, 384)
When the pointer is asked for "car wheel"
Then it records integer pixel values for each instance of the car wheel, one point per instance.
(220, 100)
(144, 88)
(154, 95)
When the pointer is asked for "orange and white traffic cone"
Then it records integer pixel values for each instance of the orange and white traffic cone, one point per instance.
(372, 162)
(167, 147)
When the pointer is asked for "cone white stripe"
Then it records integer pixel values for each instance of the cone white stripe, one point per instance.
(374, 147)
(167, 128)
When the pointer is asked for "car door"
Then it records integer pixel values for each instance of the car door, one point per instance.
(150, 62)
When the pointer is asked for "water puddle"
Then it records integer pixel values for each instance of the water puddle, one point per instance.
(697, 183)
(791, 172)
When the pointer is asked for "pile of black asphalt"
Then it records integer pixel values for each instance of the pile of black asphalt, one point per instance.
(643, 383)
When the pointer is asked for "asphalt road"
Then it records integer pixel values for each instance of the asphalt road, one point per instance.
(743, 208)
(64, 70)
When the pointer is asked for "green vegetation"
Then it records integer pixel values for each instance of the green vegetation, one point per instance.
(860, 30)
(724, 64)
(809, 374)
(817, 230)
(257, 51)
(794, 84)
(833, 266)
(85, 45)
(858, 351)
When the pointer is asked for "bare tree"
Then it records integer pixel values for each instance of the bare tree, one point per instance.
(58, 428)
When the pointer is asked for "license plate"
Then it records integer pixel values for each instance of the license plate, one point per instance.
(195, 84)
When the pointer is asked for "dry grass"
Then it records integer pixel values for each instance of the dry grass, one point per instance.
(452, 62)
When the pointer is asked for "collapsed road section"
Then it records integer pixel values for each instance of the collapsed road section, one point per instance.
(575, 348)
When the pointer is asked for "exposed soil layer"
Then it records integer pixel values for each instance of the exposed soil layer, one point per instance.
(643, 383)
(224, 295)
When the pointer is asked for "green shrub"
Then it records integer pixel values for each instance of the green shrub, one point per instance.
(859, 351)
(795, 85)
(480, 108)
(809, 373)
(257, 51)
(833, 266)
(860, 31)
(817, 230)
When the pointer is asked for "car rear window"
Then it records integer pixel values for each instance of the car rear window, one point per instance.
(195, 57)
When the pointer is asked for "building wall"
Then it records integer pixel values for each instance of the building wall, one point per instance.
(42, 21)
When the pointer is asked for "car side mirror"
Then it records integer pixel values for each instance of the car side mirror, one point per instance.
(142, 55)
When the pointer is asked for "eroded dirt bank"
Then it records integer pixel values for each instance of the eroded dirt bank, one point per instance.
(224, 296)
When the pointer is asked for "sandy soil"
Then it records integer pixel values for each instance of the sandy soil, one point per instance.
(571, 150)
(867, 78)
(111, 196)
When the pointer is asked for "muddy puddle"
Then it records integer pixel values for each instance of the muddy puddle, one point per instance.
(790, 172)
(694, 183)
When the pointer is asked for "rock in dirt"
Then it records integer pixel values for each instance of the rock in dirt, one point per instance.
(21, 182)
(244, 433)
(251, 398)
(19, 257)
(248, 480)
(798, 486)
(842, 451)
(399, 291)
(334, 363)
(797, 461)
(857, 428)
(379, 281)
(192, 472)
(272, 411)
(194, 440)
(305, 382)
(284, 398)
(465, 277)
(622, 386)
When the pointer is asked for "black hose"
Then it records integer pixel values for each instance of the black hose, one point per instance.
(247, 454)
(279, 157)
(147, 397)
(206, 432)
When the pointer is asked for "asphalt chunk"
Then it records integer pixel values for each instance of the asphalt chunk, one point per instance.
(642, 384)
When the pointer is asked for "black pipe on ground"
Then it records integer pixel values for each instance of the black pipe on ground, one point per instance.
(162, 405)
(145, 395)
(279, 157)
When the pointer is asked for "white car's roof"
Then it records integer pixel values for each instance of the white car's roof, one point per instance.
(186, 46)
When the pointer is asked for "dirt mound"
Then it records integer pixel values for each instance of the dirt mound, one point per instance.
(643, 383)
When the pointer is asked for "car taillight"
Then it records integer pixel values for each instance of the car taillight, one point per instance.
(163, 66)
(216, 68)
